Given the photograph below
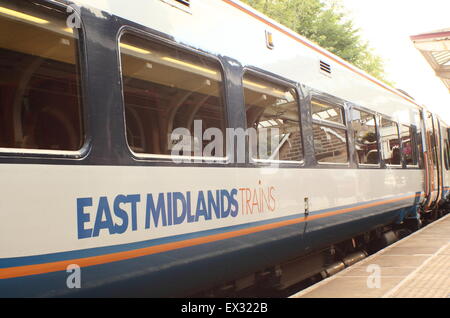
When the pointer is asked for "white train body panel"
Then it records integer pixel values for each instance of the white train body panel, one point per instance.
(49, 218)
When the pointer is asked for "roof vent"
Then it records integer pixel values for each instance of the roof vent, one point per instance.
(184, 2)
(184, 5)
(325, 67)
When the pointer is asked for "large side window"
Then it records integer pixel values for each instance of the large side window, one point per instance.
(272, 113)
(329, 132)
(408, 146)
(40, 104)
(365, 134)
(390, 142)
(171, 96)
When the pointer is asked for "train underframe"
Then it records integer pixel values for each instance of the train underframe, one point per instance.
(286, 278)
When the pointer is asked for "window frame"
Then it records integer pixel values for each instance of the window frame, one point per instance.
(326, 98)
(278, 80)
(391, 119)
(183, 5)
(413, 130)
(81, 65)
(377, 134)
(170, 44)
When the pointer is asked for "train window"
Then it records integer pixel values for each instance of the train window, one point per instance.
(408, 147)
(390, 142)
(170, 96)
(329, 132)
(273, 112)
(40, 104)
(365, 134)
(325, 111)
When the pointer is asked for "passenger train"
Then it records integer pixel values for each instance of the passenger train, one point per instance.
(91, 93)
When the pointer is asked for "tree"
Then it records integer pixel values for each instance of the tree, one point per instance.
(324, 22)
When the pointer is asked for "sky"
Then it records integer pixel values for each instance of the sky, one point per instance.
(387, 25)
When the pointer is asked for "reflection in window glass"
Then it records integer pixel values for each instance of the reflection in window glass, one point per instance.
(40, 104)
(272, 110)
(330, 144)
(322, 110)
(390, 142)
(164, 89)
(364, 128)
(407, 134)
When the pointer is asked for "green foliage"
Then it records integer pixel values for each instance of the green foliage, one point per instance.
(325, 23)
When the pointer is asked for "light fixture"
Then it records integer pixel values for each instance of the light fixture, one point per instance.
(135, 49)
(320, 104)
(68, 30)
(254, 84)
(22, 16)
(196, 67)
(269, 40)
(276, 91)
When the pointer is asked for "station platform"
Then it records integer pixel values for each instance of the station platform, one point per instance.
(417, 266)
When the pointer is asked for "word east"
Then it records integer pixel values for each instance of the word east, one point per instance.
(123, 213)
(165, 209)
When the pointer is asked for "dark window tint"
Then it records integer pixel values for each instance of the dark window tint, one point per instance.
(365, 134)
(273, 114)
(390, 142)
(39, 88)
(171, 96)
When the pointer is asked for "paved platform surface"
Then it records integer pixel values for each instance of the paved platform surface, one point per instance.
(416, 267)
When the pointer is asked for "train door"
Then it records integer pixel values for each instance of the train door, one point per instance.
(431, 162)
(439, 146)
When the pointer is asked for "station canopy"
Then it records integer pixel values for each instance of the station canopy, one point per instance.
(435, 47)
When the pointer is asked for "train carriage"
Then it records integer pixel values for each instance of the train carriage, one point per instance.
(95, 100)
